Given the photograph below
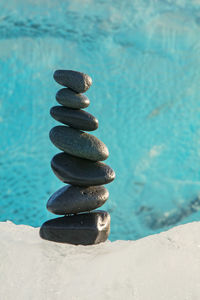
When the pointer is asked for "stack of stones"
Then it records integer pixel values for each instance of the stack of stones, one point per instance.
(79, 165)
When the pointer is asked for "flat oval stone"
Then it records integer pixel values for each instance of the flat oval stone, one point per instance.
(77, 81)
(82, 229)
(69, 98)
(82, 172)
(78, 143)
(75, 199)
(75, 118)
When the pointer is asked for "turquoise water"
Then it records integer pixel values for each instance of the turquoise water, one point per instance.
(144, 58)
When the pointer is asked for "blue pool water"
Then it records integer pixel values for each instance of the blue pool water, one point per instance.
(144, 58)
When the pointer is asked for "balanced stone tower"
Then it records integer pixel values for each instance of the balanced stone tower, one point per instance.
(79, 165)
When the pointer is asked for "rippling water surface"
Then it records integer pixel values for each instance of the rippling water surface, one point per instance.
(144, 58)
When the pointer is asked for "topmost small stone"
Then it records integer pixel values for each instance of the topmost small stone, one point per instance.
(76, 81)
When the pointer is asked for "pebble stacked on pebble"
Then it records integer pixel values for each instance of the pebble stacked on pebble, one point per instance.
(79, 165)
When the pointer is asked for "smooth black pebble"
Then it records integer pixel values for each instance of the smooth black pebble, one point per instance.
(78, 143)
(75, 118)
(69, 98)
(82, 172)
(77, 81)
(75, 199)
(82, 229)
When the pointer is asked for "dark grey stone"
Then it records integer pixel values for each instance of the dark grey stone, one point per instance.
(78, 143)
(69, 98)
(75, 199)
(82, 229)
(83, 172)
(77, 81)
(75, 118)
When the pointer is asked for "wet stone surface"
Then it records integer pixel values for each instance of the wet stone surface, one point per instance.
(82, 172)
(71, 99)
(75, 118)
(82, 229)
(78, 143)
(77, 81)
(75, 199)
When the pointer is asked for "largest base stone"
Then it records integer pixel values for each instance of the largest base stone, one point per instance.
(82, 229)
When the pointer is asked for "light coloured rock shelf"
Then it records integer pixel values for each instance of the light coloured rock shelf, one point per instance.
(159, 267)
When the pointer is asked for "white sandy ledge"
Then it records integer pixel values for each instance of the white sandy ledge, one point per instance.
(163, 266)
